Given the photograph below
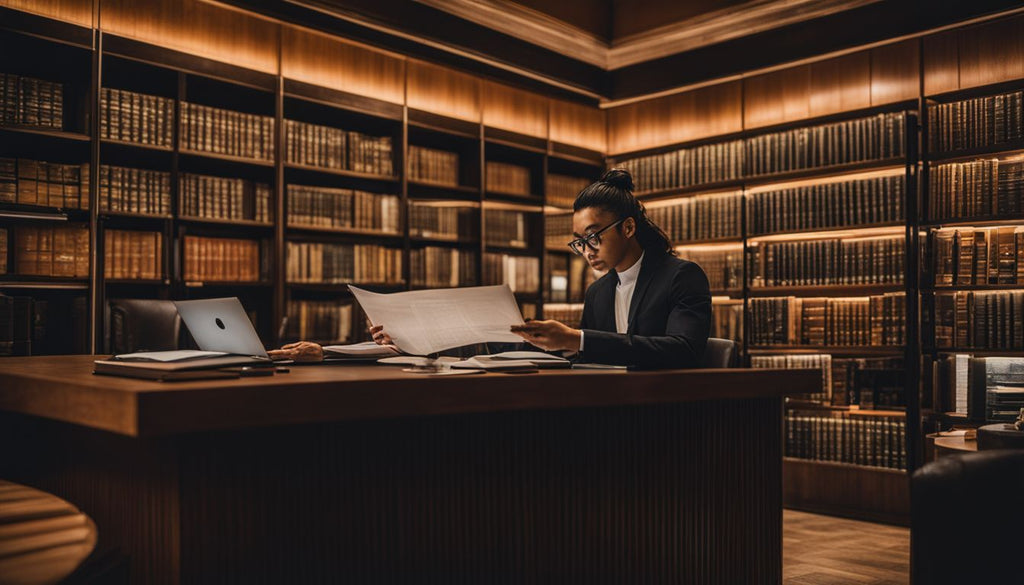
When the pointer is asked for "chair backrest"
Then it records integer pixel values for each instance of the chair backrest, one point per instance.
(966, 518)
(720, 353)
(142, 324)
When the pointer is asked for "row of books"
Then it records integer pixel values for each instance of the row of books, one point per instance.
(878, 137)
(223, 260)
(705, 217)
(977, 256)
(566, 278)
(979, 319)
(812, 361)
(978, 188)
(727, 319)
(508, 178)
(698, 165)
(443, 222)
(438, 267)
(846, 203)
(976, 122)
(34, 182)
(220, 131)
(874, 441)
(136, 117)
(561, 190)
(865, 382)
(325, 263)
(32, 326)
(557, 231)
(325, 321)
(504, 227)
(223, 198)
(568, 313)
(333, 148)
(981, 388)
(520, 273)
(815, 321)
(4, 250)
(432, 165)
(723, 266)
(29, 101)
(60, 251)
(129, 190)
(343, 208)
(876, 260)
(133, 255)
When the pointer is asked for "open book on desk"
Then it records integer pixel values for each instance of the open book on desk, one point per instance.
(365, 351)
(513, 361)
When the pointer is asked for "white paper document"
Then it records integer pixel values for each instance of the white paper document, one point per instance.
(422, 322)
(364, 349)
(169, 356)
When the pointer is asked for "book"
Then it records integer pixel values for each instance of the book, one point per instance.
(431, 165)
(508, 178)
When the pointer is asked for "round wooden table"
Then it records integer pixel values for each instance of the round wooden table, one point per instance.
(42, 537)
(952, 445)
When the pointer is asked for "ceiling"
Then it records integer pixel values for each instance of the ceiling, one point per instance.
(596, 51)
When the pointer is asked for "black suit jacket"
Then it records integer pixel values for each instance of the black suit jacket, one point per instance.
(669, 317)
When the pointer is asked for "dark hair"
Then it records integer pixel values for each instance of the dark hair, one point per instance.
(613, 192)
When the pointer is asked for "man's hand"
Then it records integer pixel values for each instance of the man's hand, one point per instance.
(301, 351)
(380, 337)
(549, 335)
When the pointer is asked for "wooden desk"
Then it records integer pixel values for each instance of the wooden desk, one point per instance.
(368, 474)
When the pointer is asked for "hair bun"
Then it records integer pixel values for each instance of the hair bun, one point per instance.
(619, 178)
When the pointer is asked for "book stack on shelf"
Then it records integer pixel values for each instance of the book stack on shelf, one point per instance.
(430, 165)
(507, 228)
(977, 255)
(979, 319)
(561, 190)
(222, 260)
(980, 389)
(566, 278)
(207, 197)
(702, 217)
(326, 147)
(442, 267)
(27, 101)
(557, 231)
(3, 251)
(310, 206)
(977, 188)
(508, 178)
(568, 313)
(127, 190)
(722, 263)
(226, 132)
(877, 320)
(327, 263)
(326, 321)
(33, 182)
(827, 261)
(31, 326)
(727, 319)
(976, 122)
(135, 117)
(52, 251)
(820, 206)
(520, 273)
(814, 361)
(709, 163)
(873, 138)
(133, 255)
(841, 437)
(442, 221)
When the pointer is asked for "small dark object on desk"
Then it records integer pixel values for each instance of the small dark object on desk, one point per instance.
(248, 371)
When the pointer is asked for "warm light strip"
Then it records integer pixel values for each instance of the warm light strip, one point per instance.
(552, 210)
(709, 247)
(826, 234)
(964, 228)
(604, 104)
(656, 203)
(512, 206)
(723, 300)
(830, 179)
(443, 203)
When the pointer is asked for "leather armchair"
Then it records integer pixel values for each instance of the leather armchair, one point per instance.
(720, 353)
(141, 325)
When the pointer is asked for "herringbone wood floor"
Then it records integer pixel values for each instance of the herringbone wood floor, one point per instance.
(823, 550)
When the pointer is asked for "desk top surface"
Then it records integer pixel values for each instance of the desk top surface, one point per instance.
(63, 388)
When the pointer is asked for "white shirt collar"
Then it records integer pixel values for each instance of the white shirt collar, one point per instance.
(629, 275)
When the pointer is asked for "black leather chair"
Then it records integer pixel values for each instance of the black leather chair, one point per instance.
(143, 325)
(720, 353)
(967, 519)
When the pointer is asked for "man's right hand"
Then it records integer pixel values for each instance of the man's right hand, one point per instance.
(379, 336)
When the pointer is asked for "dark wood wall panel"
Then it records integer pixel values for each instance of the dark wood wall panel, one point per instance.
(777, 97)
(992, 52)
(895, 72)
(440, 90)
(76, 11)
(514, 109)
(840, 84)
(941, 61)
(578, 125)
(847, 490)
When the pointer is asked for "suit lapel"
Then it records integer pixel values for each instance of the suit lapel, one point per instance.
(647, 270)
(606, 305)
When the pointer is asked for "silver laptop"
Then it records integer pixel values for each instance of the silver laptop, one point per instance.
(221, 325)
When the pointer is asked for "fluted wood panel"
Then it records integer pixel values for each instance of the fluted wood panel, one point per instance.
(692, 115)
(444, 91)
(777, 97)
(896, 72)
(336, 64)
(840, 84)
(75, 11)
(846, 490)
(514, 109)
(198, 28)
(992, 52)
(578, 125)
(941, 62)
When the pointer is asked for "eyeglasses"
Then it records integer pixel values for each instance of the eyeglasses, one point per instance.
(592, 241)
